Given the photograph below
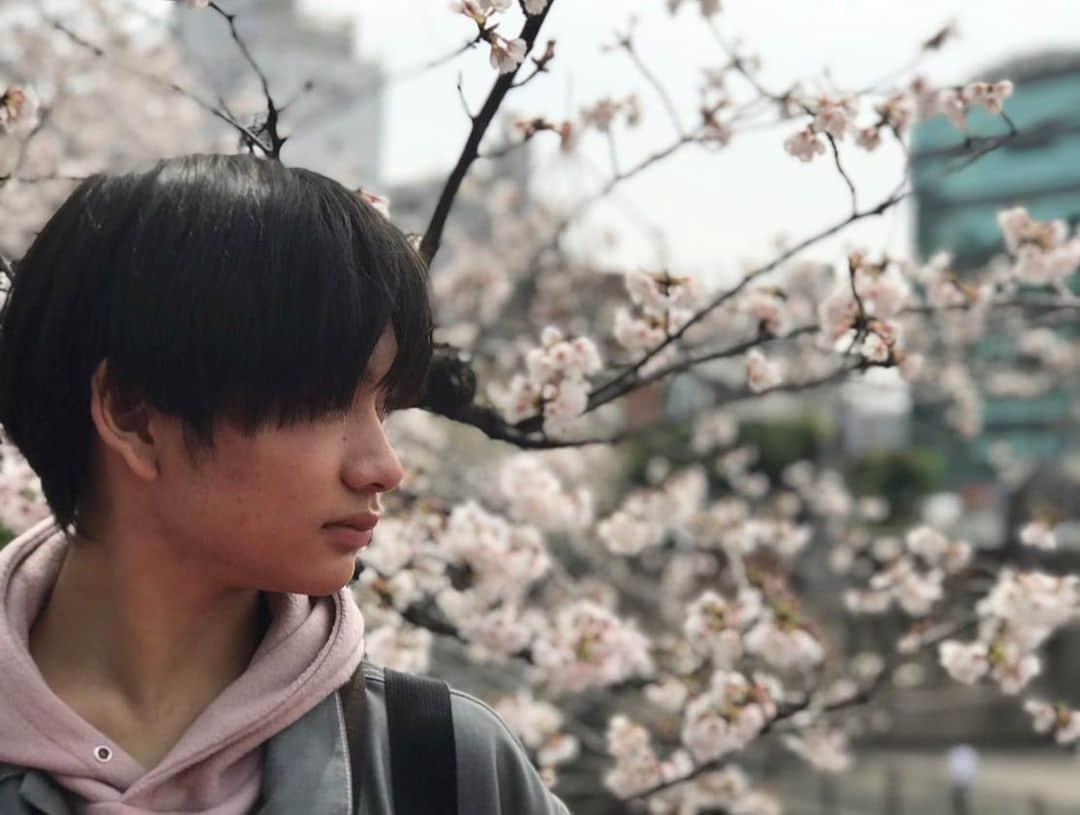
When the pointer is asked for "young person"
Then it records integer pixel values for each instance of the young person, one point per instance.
(197, 360)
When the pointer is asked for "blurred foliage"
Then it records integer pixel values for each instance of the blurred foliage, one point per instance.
(781, 442)
(902, 476)
(671, 442)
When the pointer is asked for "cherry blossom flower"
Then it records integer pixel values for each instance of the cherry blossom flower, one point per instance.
(556, 382)
(897, 110)
(1044, 715)
(660, 292)
(837, 313)
(937, 550)
(1033, 603)
(951, 103)
(538, 725)
(535, 7)
(588, 646)
(401, 648)
(729, 715)
(1038, 534)
(804, 144)
(966, 663)
(506, 55)
(915, 591)
(18, 110)
(868, 138)
(784, 645)
(1012, 666)
(637, 333)
(505, 559)
(670, 694)
(761, 373)
(1059, 718)
(624, 533)
(380, 203)
(832, 113)
(636, 765)
(826, 749)
(536, 495)
(992, 96)
(22, 501)
(601, 114)
(479, 10)
(1045, 255)
(767, 307)
(714, 625)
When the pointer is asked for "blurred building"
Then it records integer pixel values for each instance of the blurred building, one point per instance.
(333, 98)
(956, 210)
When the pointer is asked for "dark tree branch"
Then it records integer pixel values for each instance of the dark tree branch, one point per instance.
(270, 126)
(432, 239)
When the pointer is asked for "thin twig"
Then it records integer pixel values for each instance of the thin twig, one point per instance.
(842, 171)
(245, 132)
(628, 45)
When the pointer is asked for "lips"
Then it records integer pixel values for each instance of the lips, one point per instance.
(349, 537)
(363, 523)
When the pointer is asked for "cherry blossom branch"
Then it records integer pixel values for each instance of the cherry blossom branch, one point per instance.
(613, 156)
(933, 43)
(1035, 306)
(461, 95)
(491, 423)
(843, 173)
(99, 52)
(860, 697)
(270, 125)
(610, 390)
(626, 43)
(539, 64)
(429, 244)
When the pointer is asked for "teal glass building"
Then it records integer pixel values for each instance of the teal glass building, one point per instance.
(956, 205)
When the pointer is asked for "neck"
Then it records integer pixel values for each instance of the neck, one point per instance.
(145, 637)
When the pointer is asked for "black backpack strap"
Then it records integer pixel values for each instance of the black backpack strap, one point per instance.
(423, 758)
(352, 701)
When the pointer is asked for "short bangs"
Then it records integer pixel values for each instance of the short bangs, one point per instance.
(218, 287)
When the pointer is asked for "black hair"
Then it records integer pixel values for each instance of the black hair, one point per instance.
(218, 287)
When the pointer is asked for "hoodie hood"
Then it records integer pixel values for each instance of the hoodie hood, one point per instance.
(311, 648)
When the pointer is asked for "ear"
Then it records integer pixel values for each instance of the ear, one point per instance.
(123, 423)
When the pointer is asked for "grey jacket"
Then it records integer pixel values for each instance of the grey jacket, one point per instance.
(306, 766)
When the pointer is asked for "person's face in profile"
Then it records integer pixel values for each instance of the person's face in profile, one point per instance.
(253, 512)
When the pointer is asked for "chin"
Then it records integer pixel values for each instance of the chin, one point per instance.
(328, 582)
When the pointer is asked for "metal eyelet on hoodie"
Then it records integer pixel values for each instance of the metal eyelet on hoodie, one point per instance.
(103, 753)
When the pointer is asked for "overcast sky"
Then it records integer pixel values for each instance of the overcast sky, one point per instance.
(718, 210)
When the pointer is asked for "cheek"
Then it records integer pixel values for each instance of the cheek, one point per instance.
(270, 481)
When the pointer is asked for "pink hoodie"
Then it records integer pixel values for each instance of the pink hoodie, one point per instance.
(312, 647)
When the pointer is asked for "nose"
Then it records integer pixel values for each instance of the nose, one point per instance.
(372, 464)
